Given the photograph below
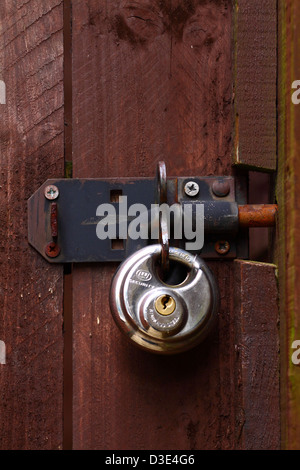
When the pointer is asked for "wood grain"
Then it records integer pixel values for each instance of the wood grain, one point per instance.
(152, 80)
(255, 84)
(31, 150)
(257, 351)
(289, 221)
(125, 398)
(142, 94)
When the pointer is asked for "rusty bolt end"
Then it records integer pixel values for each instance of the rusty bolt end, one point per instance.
(222, 247)
(258, 215)
(221, 188)
(52, 250)
(51, 192)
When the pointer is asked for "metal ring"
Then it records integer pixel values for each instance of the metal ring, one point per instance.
(164, 242)
(163, 225)
(161, 175)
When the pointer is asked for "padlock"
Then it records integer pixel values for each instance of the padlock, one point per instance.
(158, 316)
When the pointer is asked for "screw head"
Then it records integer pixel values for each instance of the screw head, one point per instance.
(222, 247)
(221, 188)
(192, 189)
(51, 192)
(52, 250)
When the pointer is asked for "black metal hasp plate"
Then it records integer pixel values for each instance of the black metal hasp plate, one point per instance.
(62, 226)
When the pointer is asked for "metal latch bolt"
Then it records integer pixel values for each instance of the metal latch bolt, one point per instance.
(62, 215)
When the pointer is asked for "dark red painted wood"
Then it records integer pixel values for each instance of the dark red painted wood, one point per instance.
(153, 80)
(255, 38)
(149, 83)
(31, 290)
(125, 398)
(257, 352)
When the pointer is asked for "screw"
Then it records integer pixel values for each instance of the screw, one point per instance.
(51, 193)
(191, 189)
(222, 247)
(221, 188)
(52, 250)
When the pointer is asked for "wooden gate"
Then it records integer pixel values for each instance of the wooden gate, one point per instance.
(99, 89)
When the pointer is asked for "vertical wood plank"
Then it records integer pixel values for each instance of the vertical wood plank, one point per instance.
(255, 84)
(125, 398)
(152, 80)
(257, 349)
(31, 150)
(289, 221)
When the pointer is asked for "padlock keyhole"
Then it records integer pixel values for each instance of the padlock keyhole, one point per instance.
(165, 301)
(165, 305)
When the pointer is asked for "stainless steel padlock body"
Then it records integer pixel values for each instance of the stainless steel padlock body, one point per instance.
(158, 317)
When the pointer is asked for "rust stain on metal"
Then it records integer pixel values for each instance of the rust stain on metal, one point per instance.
(259, 215)
(54, 223)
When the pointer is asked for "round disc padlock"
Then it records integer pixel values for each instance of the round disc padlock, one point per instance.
(159, 317)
